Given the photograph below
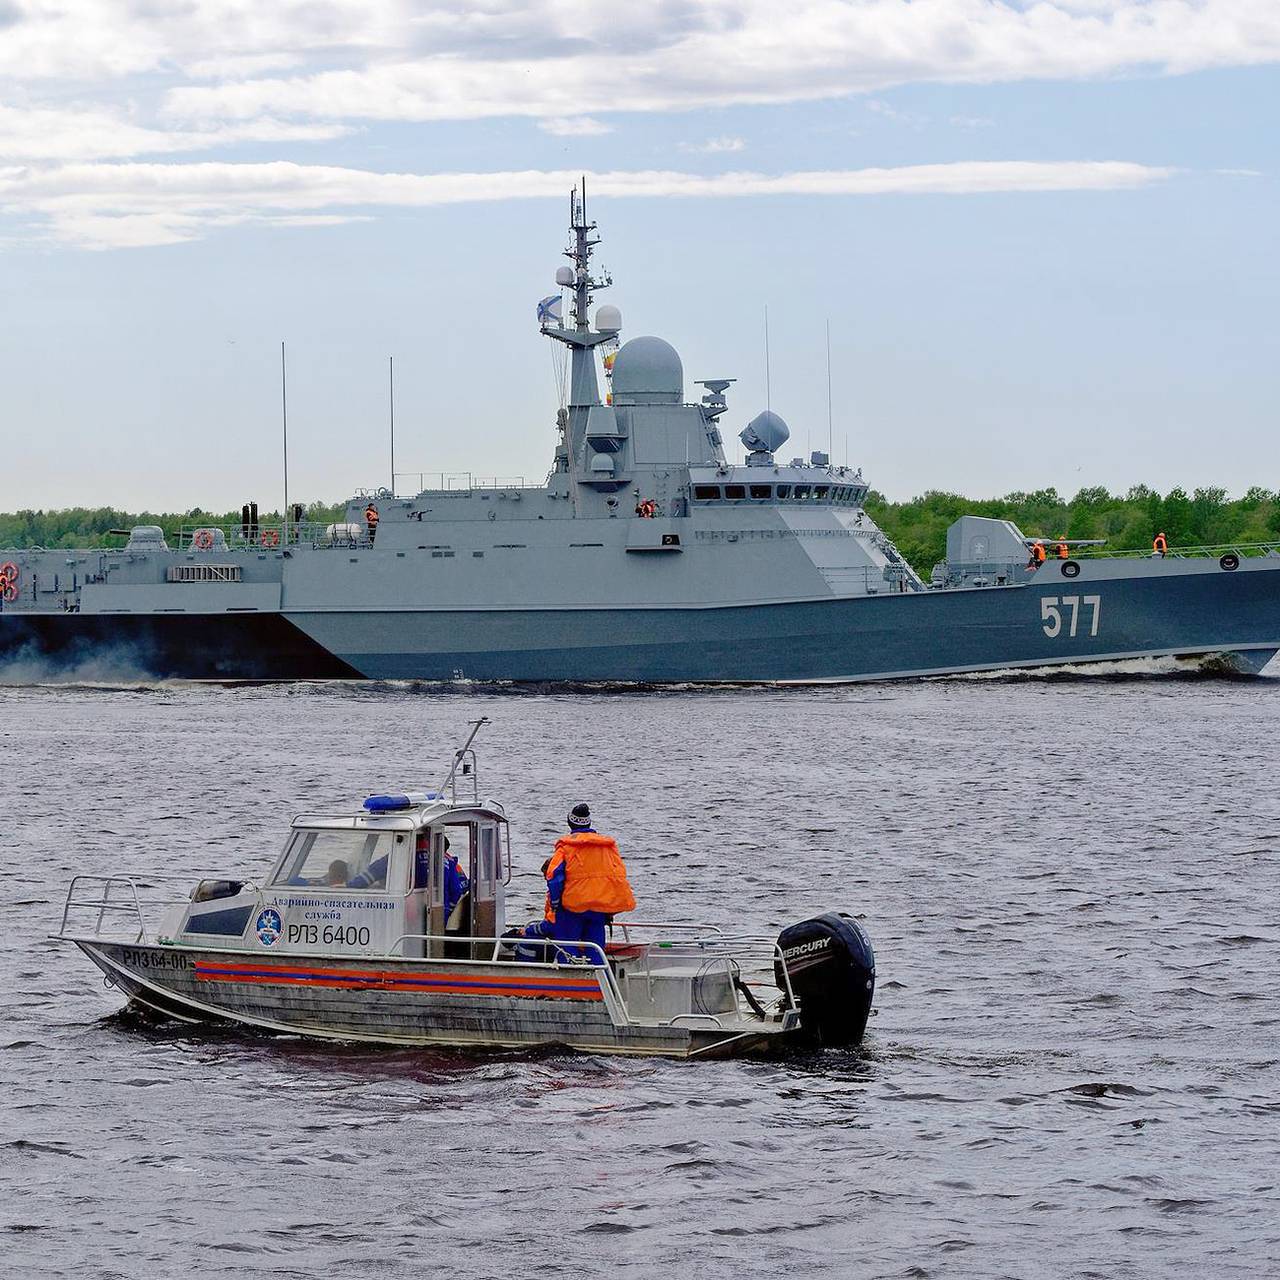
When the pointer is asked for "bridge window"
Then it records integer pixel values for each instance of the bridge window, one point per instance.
(822, 490)
(761, 491)
(735, 491)
(802, 491)
(784, 491)
(706, 492)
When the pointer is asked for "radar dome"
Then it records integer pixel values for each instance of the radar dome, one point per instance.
(765, 433)
(608, 319)
(648, 371)
(564, 275)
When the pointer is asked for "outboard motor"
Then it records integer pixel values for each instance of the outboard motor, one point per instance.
(833, 977)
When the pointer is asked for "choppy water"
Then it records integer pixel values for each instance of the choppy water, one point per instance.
(1074, 1067)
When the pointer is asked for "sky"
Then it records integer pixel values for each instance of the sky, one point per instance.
(1042, 233)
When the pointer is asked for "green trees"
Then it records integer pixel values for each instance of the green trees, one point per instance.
(89, 526)
(1205, 517)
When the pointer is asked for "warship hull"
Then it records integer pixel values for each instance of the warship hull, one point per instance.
(1178, 608)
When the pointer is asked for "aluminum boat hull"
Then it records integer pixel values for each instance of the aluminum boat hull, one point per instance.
(402, 1002)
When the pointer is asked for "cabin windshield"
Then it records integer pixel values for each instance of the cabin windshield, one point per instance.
(338, 859)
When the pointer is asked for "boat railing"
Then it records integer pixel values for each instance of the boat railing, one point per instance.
(270, 535)
(1243, 550)
(106, 898)
(599, 965)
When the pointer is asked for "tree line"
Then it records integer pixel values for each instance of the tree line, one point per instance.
(1205, 517)
(1128, 522)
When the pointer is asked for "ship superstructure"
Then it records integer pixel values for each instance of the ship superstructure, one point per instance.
(646, 555)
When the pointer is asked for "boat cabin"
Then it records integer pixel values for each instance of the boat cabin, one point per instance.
(376, 882)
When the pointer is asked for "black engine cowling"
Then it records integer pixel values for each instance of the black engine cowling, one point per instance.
(832, 970)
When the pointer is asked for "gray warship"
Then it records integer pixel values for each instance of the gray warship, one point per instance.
(647, 555)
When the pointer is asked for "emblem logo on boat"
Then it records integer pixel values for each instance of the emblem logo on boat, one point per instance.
(268, 927)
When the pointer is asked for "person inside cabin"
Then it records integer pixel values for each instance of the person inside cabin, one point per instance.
(456, 883)
(586, 887)
(1037, 555)
(371, 521)
(1062, 549)
(1160, 546)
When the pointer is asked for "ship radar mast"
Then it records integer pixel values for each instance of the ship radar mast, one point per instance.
(578, 335)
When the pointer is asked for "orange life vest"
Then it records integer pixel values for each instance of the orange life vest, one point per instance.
(1161, 543)
(371, 514)
(595, 877)
(1037, 553)
(1063, 550)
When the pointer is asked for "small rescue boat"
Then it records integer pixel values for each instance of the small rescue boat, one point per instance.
(339, 942)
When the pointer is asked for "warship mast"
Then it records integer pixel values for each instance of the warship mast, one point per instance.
(578, 335)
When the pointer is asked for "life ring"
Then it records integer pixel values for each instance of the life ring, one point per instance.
(9, 576)
(1070, 569)
(270, 538)
(203, 539)
(1230, 561)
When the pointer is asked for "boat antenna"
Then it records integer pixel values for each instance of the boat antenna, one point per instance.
(476, 726)
(391, 374)
(284, 432)
(768, 393)
(831, 436)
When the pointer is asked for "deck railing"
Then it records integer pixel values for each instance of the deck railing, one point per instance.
(1244, 550)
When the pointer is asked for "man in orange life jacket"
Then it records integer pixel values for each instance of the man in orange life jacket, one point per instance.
(586, 885)
(371, 521)
(1037, 555)
(1062, 549)
(1161, 545)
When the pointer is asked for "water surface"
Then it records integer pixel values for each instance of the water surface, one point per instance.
(1073, 1068)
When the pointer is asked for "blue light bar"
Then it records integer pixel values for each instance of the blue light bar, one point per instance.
(387, 804)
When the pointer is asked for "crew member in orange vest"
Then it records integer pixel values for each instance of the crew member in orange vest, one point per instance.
(1037, 555)
(1062, 549)
(1160, 545)
(371, 519)
(586, 885)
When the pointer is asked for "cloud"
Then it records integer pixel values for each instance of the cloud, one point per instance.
(197, 68)
(103, 206)
(881, 108)
(715, 146)
(574, 127)
(712, 53)
(88, 133)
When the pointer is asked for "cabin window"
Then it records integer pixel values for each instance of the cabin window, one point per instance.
(802, 491)
(338, 859)
(735, 491)
(784, 491)
(706, 492)
(822, 490)
(761, 491)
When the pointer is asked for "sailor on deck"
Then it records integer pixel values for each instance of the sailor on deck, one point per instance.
(371, 521)
(1037, 555)
(586, 885)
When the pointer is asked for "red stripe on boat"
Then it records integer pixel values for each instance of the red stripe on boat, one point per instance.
(390, 980)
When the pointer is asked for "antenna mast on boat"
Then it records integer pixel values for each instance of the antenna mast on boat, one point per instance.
(391, 374)
(284, 431)
(831, 434)
(476, 726)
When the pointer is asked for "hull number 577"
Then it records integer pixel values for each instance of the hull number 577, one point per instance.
(1062, 616)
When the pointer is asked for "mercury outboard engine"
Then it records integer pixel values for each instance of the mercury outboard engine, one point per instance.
(833, 977)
